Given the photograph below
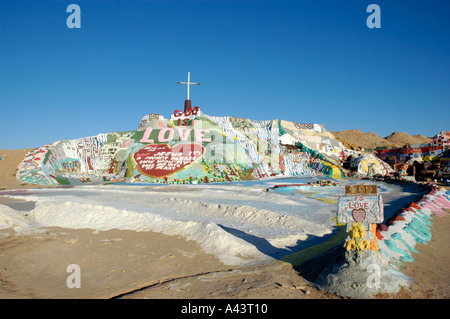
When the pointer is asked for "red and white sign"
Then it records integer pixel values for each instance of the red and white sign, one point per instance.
(361, 209)
(359, 215)
(188, 113)
(159, 160)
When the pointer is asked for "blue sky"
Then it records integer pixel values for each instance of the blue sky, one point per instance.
(304, 61)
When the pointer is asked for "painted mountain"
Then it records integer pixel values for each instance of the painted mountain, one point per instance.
(188, 149)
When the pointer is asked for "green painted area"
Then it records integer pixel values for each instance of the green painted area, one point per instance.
(398, 236)
(137, 136)
(393, 247)
(421, 229)
(111, 138)
(131, 167)
(298, 258)
(62, 180)
(423, 218)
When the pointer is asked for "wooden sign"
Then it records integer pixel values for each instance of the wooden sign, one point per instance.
(360, 189)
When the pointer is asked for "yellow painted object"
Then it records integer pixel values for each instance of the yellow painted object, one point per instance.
(336, 172)
(325, 200)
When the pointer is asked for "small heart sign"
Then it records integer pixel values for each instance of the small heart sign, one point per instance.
(359, 215)
(159, 160)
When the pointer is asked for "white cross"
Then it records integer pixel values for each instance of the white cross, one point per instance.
(188, 83)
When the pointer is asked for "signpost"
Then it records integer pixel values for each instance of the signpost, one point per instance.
(360, 189)
(361, 208)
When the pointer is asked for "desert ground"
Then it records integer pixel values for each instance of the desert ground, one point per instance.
(130, 264)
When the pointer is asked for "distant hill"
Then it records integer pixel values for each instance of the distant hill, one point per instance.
(358, 140)
(399, 139)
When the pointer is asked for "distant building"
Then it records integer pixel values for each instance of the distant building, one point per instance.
(403, 158)
(438, 145)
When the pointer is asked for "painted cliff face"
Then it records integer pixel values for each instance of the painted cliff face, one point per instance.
(194, 149)
(161, 160)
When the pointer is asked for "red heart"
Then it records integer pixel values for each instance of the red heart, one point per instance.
(158, 160)
(359, 215)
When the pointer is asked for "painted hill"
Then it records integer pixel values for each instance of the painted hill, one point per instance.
(187, 148)
(358, 140)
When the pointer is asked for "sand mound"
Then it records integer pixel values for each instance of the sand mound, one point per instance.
(358, 140)
(400, 138)
(8, 167)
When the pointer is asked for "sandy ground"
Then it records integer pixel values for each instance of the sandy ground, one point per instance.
(129, 264)
(430, 268)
